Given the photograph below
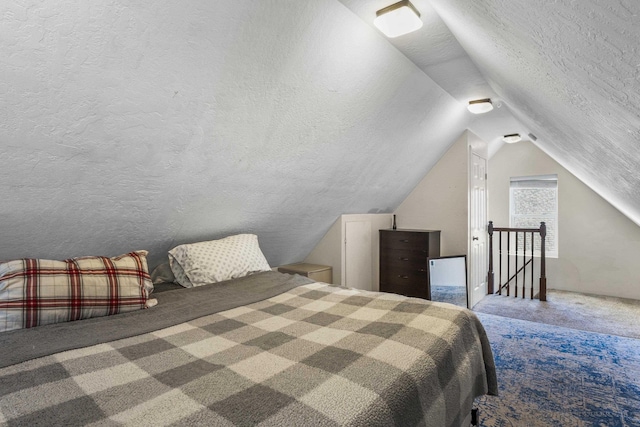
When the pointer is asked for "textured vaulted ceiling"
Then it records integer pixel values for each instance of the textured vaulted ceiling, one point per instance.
(570, 72)
(144, 124)
(138, 124)
(566, 71)
(437, 52)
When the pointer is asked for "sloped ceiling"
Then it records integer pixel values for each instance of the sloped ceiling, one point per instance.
(437, 52)
(570, 72)
(132, 125)
(137, 125)
(566, 71)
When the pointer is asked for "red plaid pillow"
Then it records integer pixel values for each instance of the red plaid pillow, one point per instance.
(37, 292)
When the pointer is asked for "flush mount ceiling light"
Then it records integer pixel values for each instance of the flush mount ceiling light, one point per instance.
(480, 106)
(511, 138)
(398, 19)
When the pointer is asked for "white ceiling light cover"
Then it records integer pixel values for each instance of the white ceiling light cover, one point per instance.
(511, 138)
(480, 106)
(398, 19)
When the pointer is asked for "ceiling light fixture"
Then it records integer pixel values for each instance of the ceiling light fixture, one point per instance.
(480, 106)
(511, 138)
(398, 19)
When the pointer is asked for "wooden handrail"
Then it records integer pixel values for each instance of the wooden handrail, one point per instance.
(542, 231)
(527, 230)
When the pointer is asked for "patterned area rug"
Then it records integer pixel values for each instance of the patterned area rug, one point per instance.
(554, 376)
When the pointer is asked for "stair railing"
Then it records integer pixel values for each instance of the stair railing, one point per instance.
(527, 259)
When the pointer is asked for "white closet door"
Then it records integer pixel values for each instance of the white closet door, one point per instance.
(358, 257)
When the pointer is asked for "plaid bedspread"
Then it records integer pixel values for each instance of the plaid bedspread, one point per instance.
(315, 355)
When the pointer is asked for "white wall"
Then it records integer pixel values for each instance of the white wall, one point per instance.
(599, 248)
(440, 200)
(146, 124)
(328, 251)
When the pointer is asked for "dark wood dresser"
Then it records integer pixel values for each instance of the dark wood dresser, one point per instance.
(403, 261)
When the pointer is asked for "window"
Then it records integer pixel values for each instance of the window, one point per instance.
(533, 199)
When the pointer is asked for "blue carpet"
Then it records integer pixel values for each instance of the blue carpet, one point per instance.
(452, 294)
(554, 376)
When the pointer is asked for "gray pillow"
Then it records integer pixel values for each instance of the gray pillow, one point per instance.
(162, 274)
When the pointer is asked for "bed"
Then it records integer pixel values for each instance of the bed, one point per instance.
(268, 349)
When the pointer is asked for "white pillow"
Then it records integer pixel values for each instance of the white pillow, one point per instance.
(214, 261)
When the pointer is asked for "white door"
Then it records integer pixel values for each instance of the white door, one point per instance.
(478, 262)
(357, 252)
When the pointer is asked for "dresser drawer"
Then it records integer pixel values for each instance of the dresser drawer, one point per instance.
(405, 259)
(399, 275)
(405, 240)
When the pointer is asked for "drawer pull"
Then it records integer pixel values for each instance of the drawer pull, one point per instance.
(405, 241)
(403, 277)
(422, 270)
(403, 259)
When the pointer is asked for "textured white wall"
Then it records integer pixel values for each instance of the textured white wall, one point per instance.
(145, 124)
(599, 247)
(440, 200)
(329, 250)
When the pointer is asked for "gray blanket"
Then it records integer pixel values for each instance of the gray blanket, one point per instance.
(312, 354)
(173, 307)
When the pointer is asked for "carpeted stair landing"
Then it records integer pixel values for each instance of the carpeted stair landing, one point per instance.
(608, 315)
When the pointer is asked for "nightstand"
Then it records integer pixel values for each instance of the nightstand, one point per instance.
(317, 272)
